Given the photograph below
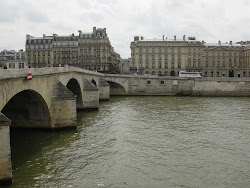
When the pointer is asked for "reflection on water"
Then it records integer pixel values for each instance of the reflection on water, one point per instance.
(141, 142)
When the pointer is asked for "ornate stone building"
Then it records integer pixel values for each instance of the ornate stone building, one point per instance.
(91, 51)
(166, 57)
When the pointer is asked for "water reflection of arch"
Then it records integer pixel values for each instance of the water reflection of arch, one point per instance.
(116, 89)
(27, 109)
(75, 88)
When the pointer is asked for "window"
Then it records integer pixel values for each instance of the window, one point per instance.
(172, 57)
(162, 82)
(153, 57)
(159, 64)
(179, 64)
(218, 74)
(172, 65)
(166, 65)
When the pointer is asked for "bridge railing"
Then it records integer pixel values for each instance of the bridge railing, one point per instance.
(13, 73)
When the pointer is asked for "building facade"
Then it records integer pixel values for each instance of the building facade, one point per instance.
(12, 59)
(166, 57)
(92, 51)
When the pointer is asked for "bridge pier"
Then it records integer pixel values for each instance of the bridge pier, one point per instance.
(90, 95)
(5, 151)
(104, 90)
(63, 107)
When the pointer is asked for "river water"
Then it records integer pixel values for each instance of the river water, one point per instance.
(141, 142)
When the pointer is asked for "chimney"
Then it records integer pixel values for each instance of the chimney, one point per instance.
(219, 42)
(163, 37)
(44, 36)
(184, 37)
(55, 35)
(175, 37)
(231, 42)
(80, 32)
(141, 37)
(27, 36)
(94, 31)
(73, 34)
(104, 30)
(136, 38)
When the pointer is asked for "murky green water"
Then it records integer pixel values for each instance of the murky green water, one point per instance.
(141, 142)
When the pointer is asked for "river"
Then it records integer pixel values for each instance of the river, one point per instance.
(141, 142)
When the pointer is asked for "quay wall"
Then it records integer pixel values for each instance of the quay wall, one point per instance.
(175, 86)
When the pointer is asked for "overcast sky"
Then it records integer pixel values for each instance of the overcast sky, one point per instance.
(209, 20)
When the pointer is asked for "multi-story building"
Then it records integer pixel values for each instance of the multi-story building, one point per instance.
(91, 51)
(12, 59)
(166, 57)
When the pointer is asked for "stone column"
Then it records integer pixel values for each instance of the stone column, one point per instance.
(63, 107)
(104, 90)
(90, 95)
(5, 152)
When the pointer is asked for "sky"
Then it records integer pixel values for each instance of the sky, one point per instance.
(208, 20)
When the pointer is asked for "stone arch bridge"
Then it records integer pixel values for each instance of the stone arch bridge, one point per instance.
(49, 100)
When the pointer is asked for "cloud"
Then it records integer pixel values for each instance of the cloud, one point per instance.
(209, 20)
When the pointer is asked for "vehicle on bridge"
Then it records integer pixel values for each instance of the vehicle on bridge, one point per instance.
(190, 74)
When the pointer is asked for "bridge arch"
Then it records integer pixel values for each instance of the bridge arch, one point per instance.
(75, 88)
(28, 109)
(116, 89)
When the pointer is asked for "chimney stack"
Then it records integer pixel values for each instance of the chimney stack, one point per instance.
(136, 38)
(184, 37)
(27, 36)
(94, 31)
(219, 42)
(141, 37)
(231, 42)
(175, 37)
